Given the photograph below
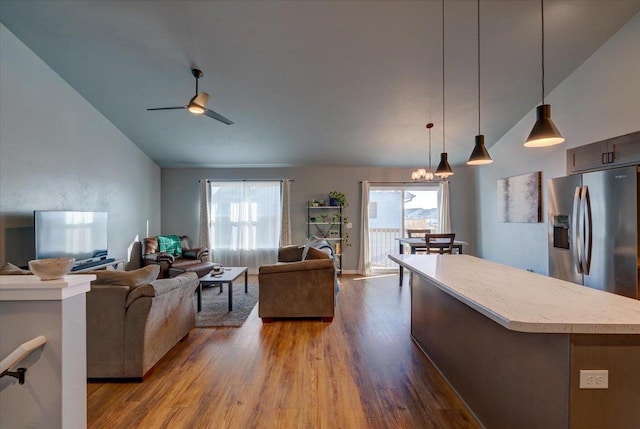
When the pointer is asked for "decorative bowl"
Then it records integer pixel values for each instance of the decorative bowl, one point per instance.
(51, 268)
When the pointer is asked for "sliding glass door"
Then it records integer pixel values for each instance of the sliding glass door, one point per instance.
(395, 209)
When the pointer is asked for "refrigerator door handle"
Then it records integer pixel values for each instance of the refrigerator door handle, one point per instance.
(576, 241)
(588, 228)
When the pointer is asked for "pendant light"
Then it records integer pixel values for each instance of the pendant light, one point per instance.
(480, 155)
(421, 173)
(544, 132)
(444, 169)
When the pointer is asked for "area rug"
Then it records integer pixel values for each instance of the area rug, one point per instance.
(215, 306)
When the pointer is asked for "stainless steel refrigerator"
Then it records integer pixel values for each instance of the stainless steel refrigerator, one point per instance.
(593, 230)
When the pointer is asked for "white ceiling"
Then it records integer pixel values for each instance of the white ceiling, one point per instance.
(342, 83)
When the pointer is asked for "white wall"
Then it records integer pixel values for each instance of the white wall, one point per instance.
(181, 199)
(601, 99)
(57, 152)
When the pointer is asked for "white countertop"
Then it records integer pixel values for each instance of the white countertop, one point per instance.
(523, 301)
(31, 288)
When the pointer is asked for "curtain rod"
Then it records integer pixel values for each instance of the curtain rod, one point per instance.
(247, 180)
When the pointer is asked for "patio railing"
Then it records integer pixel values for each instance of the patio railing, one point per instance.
(382, 241)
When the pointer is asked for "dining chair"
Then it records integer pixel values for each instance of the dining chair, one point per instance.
(418, 233)
(440, 243)
(413, 233)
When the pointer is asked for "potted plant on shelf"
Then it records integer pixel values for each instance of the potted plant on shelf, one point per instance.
(337, 199)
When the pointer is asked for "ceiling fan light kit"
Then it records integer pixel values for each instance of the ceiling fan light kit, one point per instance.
(544, 132)
(195, 108)
(198, 102)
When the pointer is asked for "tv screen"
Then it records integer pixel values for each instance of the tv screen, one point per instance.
(71, 234)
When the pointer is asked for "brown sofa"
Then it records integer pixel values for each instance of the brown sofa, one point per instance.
(133, 320)
(297, 288)
(194, 259)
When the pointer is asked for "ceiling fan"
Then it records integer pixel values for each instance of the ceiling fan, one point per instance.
(198, 102)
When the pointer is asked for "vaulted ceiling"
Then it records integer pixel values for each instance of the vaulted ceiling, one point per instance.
(342, 83)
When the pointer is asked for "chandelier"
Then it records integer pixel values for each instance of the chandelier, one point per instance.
(422, 174)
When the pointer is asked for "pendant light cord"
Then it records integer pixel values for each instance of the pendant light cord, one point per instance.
(542, 24)
(478, 67)
(429, 128)
(443, 118)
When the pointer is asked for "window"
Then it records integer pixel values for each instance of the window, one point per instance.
(245, 222)
(398, 209)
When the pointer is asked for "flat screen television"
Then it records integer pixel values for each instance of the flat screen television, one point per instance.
(71, 234)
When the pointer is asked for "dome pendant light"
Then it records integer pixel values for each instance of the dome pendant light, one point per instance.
(544, 132)
(444, 169)
(480, 155)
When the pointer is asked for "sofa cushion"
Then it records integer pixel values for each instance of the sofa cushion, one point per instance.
(9, 269)
(149, 245)
(170, 244)
(133, 278)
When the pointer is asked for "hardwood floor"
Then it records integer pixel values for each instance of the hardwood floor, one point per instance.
(361, 371)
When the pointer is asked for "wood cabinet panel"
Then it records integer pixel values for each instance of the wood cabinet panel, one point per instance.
(625, 149)
(588, 157)
(615, 152)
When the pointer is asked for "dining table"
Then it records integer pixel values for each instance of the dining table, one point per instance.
(420, 243)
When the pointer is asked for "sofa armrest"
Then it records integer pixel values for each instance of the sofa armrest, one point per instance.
(197, 253)
(159, 257)
(308, 265)
(158, 287)
(105, 329)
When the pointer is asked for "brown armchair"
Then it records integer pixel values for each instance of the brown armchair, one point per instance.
(298, 288)
(192, 259)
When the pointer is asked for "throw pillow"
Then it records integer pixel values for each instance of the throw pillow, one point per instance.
(317, 243)
(312, 242)
(133, 278)
(314, 253)
(9, 269)
(170, 244)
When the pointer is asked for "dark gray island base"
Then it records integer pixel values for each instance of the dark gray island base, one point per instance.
(512, 343)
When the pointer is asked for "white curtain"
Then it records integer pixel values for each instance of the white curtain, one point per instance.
(246, 222)
(364, 262)
(444, 224)
(285, 229)
(204, 240)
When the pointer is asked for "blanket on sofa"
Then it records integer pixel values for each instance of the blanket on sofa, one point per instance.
(170, 244)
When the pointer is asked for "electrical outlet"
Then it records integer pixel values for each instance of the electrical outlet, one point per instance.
(349, 225)
(594, 379)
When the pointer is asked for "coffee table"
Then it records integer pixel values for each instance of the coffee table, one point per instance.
(227, 276)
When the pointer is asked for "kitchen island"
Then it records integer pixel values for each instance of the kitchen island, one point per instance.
(513, 343)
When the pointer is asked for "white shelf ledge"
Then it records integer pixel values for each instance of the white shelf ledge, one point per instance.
(31, 288)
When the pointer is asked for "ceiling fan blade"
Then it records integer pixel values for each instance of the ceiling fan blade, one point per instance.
(169, 108)
(210, 113)
(201, 99)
